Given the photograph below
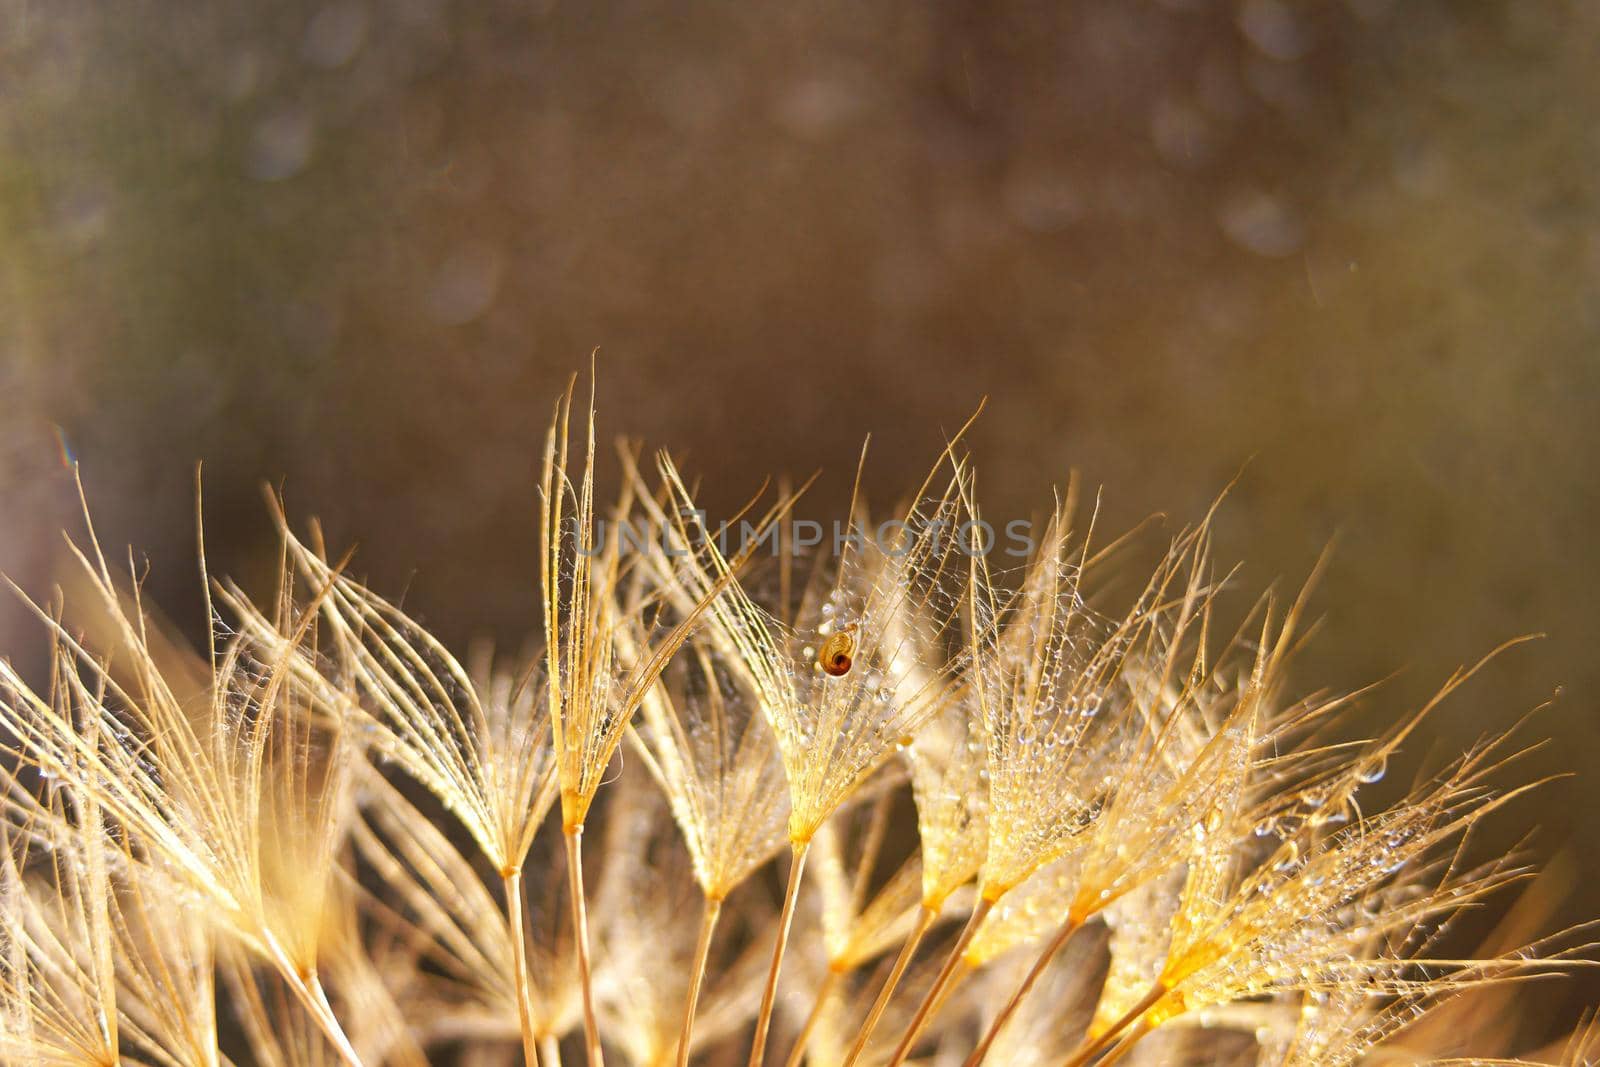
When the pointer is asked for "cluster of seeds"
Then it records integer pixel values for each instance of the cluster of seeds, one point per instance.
(880, 806)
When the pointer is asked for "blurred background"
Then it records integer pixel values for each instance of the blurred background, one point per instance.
(356, 247)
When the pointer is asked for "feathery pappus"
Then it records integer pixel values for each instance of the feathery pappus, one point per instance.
(904, 801)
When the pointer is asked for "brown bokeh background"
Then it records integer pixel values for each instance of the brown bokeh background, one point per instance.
(358, 246)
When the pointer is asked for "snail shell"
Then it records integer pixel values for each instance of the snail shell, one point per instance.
(838, 653)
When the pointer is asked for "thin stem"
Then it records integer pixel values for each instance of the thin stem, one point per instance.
(1089, 1049)
(307, 988)
(341, 1043)
(1125, 1046)
(934, 998)
(311, 988)
(925, 918)
(962, 973)
(708, 924)
(580, 930)
(512, 881)
(549, 1050)
(824, 991)
(1062, 936)
(797, 866)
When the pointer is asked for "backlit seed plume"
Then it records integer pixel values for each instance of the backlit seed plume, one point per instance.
(889, 603)
(429, 895)
(701, 729)
(703, 738)
(1486, 1016)
(1289, 924)
(1340, 1027)
(95, 964)
(476, 739)
(1027, 914)
(647, 954)
(1184, 762)
(703, 734)
(374, 962)
(644, 958)
(949, 784)
(1060, 743)
(242, 801)
(948, 761)
(839, 688)
(1438, 1004)
(858, 926)
(277, 1032)
(591, 694)
(1140, 926)
(1060, 732)
(1067, 810)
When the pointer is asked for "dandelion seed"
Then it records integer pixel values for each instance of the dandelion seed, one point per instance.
(330, 823)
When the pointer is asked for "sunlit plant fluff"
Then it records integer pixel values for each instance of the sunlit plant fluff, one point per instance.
(1063, 812)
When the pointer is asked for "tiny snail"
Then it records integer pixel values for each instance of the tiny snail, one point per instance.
(838, 652)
